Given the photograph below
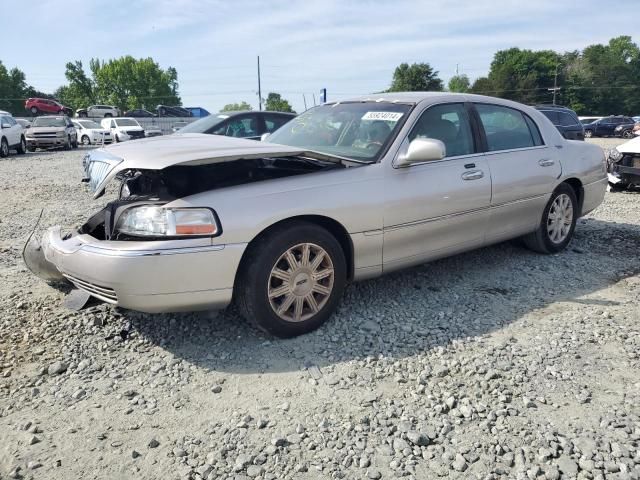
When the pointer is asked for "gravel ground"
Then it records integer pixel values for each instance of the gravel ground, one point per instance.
(498, 363)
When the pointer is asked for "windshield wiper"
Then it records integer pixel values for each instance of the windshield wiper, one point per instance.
(331, 156)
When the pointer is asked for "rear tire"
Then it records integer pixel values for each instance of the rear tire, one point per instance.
(107, 115)
(291, 279)
(557, 224)
(22, 147)
(588, 134)
(34, 110)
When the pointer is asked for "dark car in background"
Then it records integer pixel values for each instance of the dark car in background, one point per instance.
(565, 120)
(139, 113)
(606, 126)
(198, 112)
(172, 111)
(251, 125)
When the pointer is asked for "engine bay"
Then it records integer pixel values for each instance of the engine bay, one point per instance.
(149, 187)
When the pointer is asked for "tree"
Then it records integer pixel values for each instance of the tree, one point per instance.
(276, 103)
(459, 84)
(417, 77)
(125, 82)
(13, 89)
(236, 107)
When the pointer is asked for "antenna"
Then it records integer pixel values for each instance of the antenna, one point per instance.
(259, 89)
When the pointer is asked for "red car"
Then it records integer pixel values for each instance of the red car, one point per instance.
(45, 105)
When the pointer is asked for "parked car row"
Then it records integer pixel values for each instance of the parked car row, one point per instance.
(612, 126)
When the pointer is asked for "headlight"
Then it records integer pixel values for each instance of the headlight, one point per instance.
(618, 128)
(614, 155)
(60, 134)
(151, 221)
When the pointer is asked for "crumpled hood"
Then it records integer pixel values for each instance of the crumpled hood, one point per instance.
(632, 146)
(157, 153)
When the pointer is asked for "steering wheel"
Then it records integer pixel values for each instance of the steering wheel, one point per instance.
(369, 145)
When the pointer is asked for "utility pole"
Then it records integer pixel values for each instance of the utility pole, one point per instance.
(456, 69)
(259, 89)
(314, 99)
(304, 99)
(555, 85)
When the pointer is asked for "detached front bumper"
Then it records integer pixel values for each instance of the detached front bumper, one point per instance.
(152, 277)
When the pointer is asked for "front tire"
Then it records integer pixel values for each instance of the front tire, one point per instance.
(22, 147)
(292, 279)
(85, 140)
(107, 115)
(67, 144)
(627, 134)
(4, 148)
(34, 110)
(558, 222)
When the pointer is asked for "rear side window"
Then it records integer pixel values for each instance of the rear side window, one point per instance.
(567, 120)
(507, 128)
(553, 116)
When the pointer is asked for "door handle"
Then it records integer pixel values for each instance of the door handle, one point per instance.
(473, 175)
(546, 162)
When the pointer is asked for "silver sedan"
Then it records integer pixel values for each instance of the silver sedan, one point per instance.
(344, 192)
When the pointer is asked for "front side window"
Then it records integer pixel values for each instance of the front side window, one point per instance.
(448, 123)
(355, 130)
(274, 122)
(505, 128)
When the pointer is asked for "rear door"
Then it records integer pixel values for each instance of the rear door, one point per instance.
(523, 168)
(437, 208)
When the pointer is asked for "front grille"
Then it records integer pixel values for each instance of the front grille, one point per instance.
(103, 293)
(96, 172)
(135, 133)
(44, 135)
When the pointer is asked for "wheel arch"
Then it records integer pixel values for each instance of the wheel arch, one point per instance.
(576, 185)
(334, 227)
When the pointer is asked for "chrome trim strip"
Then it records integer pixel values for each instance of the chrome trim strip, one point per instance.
(466, 212)
(111, 252)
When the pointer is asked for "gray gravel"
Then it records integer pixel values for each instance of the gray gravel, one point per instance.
(498, 363)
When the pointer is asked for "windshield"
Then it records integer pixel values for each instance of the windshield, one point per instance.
(357, 130)
(127, 122)
(49, 122)
(89, 124)
(204, 125)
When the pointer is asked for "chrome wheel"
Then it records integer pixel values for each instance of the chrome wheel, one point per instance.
(301, 282)
(560, 218)
(4, 148)
(85, 140)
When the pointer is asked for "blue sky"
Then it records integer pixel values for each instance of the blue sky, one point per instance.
(350, 47)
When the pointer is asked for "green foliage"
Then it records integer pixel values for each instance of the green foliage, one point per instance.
(276, 103)
(459, 84)
(125, 82)
(417, 77)
(236, 107)
(13, 90)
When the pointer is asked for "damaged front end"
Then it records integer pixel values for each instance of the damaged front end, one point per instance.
(623, 167)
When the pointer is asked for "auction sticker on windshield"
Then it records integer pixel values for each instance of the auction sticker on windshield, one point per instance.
(386, 116)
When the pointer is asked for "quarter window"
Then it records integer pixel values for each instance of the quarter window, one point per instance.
(566, 120)
(507, 128)
(448, 123)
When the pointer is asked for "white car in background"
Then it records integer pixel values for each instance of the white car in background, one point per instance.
(123, 129)
(11, 135)
(102, 111)
(91, 133)
(152, 131)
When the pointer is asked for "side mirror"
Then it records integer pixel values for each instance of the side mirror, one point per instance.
(422, 150)
(5, 125)
(264, 136)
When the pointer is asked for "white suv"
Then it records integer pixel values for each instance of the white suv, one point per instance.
(123, 129)
(102, 111)
(11, 136)
(91, 133)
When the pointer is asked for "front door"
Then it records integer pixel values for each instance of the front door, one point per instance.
(523, 170)
(441, 207)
